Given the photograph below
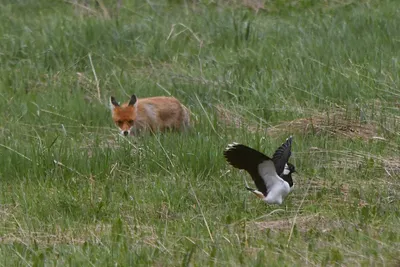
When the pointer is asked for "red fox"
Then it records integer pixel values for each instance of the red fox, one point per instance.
(149, 114)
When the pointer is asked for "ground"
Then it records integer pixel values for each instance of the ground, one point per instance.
(74, 192)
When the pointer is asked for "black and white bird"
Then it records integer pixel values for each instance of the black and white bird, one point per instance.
(272, 177)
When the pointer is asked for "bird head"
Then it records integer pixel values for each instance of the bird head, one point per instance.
(287, 173)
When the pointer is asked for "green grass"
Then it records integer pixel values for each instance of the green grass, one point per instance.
(73, 192)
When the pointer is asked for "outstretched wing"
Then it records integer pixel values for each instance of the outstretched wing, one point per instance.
(246, 158)
(282, 155)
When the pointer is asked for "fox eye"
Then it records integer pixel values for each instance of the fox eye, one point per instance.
(119, 122)
(130, 121)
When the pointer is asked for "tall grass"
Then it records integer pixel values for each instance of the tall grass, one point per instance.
(76, 193)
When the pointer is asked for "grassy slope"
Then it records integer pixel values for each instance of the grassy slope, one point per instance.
(172, 199)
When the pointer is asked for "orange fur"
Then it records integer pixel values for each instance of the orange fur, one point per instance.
(149, 114)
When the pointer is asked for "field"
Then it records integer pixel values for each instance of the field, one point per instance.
(75, 192)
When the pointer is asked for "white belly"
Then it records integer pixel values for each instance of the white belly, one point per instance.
(277, 193)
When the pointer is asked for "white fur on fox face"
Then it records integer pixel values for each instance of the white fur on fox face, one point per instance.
(121, 132)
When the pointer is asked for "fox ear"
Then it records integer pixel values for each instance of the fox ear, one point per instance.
(133, 100)
(113, 102)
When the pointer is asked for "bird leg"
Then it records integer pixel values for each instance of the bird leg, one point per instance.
(254, 191)
(258, 194)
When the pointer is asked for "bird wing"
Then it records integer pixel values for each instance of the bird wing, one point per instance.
(246, 158)
(282, 155)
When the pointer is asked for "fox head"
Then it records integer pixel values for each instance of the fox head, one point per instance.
(124, 115)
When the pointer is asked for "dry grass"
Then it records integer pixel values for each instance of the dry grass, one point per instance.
(231, 119)
(303, 224)
(283, 6)
(6, 213)
(334, 123)
(392, 165)
(344, 159)
(76, 236)
(96, 8)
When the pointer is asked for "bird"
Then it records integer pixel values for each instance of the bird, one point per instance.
(272, 176)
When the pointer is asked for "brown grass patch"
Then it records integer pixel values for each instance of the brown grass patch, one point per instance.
(96, 8)
(302, 223)
(58, 236)
(76, 236)
(343, 159)
(229, 118)
(334, 123)
(392, 165)
(6, 213)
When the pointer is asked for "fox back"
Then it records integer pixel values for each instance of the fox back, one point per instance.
(149, 114)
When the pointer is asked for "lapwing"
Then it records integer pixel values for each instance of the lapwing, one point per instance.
(272, 177)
